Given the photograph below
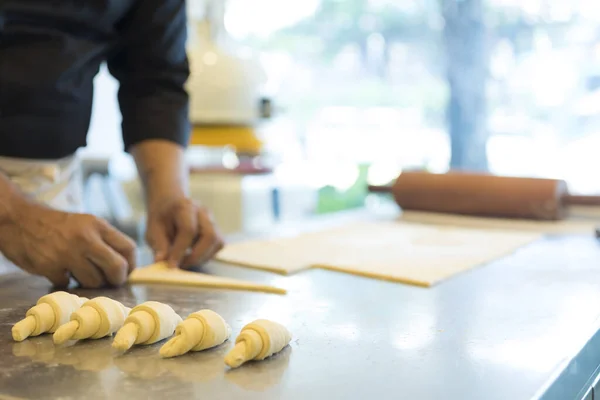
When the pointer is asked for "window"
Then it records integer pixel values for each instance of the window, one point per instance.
(371, 81)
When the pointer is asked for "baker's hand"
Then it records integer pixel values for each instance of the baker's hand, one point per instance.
(56, 244)
(181, 232)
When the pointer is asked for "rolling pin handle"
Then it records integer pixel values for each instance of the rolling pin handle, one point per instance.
(573, 200)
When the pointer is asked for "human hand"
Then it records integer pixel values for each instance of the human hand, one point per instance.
(178, 230)
(181, 232)
(56, 244)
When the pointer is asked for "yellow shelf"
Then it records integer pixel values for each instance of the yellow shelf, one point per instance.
(242, 138)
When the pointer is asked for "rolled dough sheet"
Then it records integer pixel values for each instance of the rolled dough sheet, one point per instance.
(410, 253)
(282, 256)
(161, 274)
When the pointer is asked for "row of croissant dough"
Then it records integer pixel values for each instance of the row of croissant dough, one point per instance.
(70, 317)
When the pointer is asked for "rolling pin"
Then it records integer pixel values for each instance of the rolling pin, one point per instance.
(484, 195)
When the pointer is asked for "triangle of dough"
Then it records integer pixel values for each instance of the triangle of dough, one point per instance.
(160, 273)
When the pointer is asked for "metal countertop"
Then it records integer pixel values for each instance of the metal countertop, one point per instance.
(524, 327)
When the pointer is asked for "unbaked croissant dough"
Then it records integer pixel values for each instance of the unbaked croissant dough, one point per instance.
(160, 273)
(257, 341)
(97, 318)
(50, 312)
(147, 323)
(200, 331)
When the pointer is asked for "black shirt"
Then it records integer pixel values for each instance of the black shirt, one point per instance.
(50, 51)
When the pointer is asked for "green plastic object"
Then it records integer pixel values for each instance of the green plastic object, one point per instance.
(332, 200)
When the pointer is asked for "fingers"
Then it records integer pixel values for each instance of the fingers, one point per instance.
(186, 225)
(120, 243)
(209, 244)
(58, 277)
(158, 240)
(108, 257)
(88, 275)
(112, 264)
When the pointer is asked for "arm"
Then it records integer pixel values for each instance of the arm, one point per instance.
(164, 175)
(10, 198)
(57, 244)
(152, 67)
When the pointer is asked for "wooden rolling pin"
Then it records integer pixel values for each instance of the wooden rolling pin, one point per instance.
(484, 195)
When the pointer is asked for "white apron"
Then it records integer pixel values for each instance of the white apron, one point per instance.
(57, 183)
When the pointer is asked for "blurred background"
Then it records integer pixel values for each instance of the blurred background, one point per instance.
(298, 105)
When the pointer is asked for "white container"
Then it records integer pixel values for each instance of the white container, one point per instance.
(226, 81)
(239, 203)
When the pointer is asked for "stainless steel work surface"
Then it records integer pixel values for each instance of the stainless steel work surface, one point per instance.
(515, 329)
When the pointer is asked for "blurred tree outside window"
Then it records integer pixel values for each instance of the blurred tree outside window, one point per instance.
(509, 86)
(466, 49)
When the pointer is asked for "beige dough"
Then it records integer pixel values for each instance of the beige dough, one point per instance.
(97, 318)
(257, 341)
(160, 273)
(397, 251)
(50, 312)
(200, 331)
(147, 323)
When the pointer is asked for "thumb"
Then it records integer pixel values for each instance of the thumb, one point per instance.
(157, 239)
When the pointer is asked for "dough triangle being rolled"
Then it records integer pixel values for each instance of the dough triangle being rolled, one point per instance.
(160, 273)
